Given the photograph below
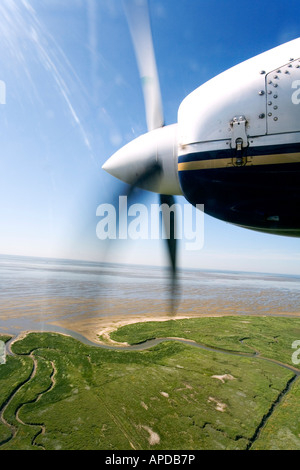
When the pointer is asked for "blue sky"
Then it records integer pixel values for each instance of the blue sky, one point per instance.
(73, 97)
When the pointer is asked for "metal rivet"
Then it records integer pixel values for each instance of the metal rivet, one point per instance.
(275, 85)
(292, 59)
(275, 107)
(269, 82)
(269, 114)
(262, 72)
(275, 96)
(297, 66)
(261, 92)
(290, 65)
(269, 92)
(269, 103)
(275, 118)
(275, 76)
(261, 116)
(286, 71)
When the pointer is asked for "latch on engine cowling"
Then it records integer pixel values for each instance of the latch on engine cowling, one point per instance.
(239, 140)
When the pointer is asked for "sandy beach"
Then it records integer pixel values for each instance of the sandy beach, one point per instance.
(98, 322)
(99, 329)
(93, 300)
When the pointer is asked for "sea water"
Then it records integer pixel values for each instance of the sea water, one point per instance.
(36, 291)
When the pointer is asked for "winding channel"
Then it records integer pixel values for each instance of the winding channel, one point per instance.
(137, 347)
(151, 343)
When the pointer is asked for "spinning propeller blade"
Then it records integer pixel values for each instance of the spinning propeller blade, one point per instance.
(147, 175)
(137, 14)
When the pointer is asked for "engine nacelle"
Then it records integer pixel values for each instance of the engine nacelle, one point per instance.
(239, 143)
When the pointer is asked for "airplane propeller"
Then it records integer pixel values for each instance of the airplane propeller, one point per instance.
(137, 14)
(150, 174)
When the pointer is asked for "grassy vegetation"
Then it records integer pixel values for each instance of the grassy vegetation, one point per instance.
(5, 338)
(172, 396)
(272, 337)
(15, 371)
(283, 428)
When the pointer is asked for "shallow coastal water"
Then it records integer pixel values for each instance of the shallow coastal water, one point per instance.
(37, 293)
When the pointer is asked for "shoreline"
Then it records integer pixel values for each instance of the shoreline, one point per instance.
(111, 344)
(97, 330)
(94, 328)
(103, 326)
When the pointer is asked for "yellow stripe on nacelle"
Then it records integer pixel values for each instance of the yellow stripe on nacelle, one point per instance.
(215, 163)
